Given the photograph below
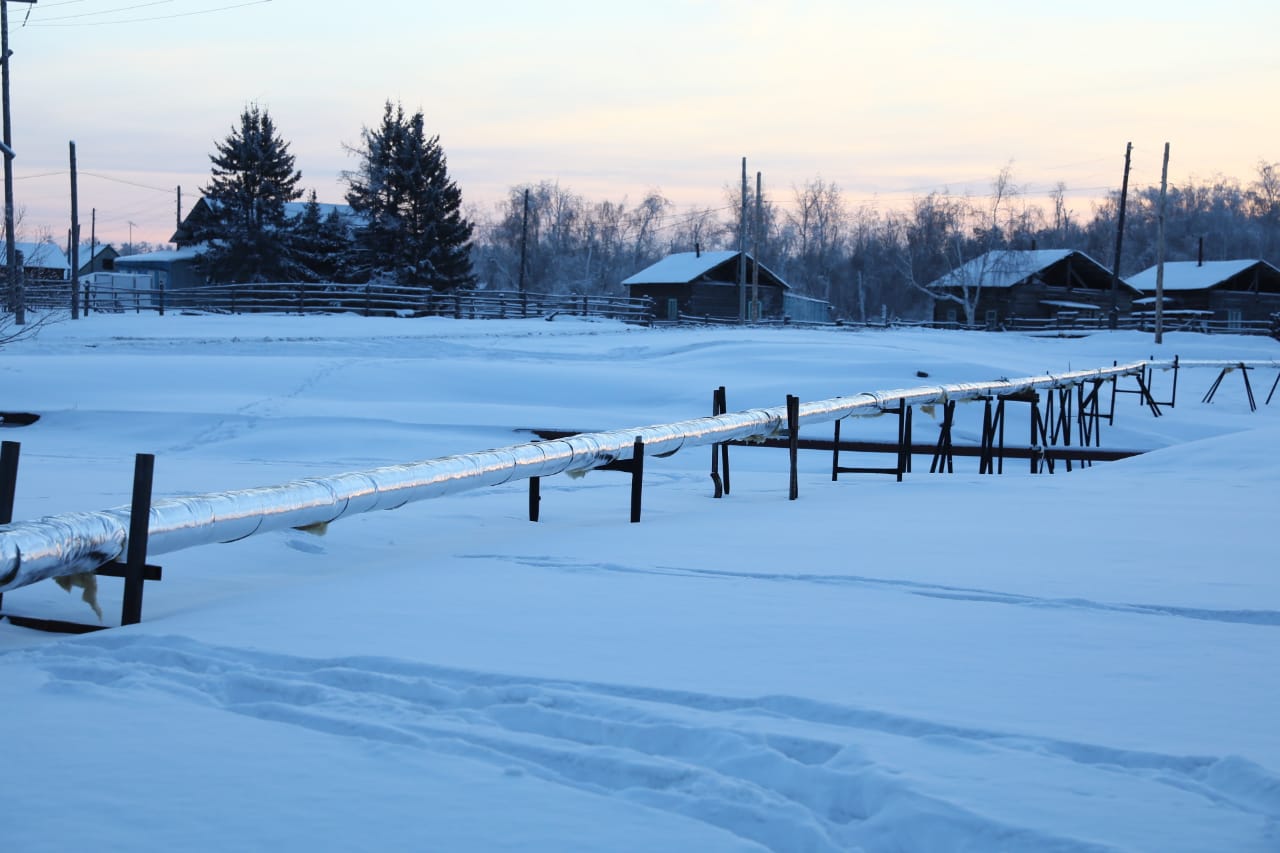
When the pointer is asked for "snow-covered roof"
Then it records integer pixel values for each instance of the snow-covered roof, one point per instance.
(1006, 267)
(685, 267)
(1064, 303)
(166, 256)
(94, 249)
(680, 267)
(293, 209)
(1191, 275)
(44, 255)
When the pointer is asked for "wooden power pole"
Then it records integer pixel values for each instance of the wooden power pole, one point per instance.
(1164, 183)
(16, 300)
(524, 236)
(742, 250)
(75, 239)
(756, 231)
(1115, 270)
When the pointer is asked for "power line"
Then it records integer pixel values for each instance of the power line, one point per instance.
(144, 20)
(167, 190)
(112, 11)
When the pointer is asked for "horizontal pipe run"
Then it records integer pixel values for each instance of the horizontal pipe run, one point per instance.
(59, 545)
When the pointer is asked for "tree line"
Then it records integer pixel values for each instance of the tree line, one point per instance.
(867, 262)
(407, 224)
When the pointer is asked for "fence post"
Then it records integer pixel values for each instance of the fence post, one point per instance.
(161, 299)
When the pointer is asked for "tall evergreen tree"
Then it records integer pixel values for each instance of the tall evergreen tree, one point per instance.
(414, 231)
(253, 179)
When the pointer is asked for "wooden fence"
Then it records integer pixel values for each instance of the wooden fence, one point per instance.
(372, 299)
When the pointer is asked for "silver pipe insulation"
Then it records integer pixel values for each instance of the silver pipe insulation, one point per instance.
(65, 544)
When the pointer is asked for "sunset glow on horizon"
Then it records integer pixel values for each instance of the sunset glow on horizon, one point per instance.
(614, 100)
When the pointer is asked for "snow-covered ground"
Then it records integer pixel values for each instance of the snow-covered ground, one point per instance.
(1076, 661)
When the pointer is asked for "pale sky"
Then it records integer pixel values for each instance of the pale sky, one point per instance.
(612, 99)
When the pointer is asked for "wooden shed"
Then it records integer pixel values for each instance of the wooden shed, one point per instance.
(1231, 292)
(42, 261)
(170, 269)
(706, 285)
(98, 257)
(1044, 284)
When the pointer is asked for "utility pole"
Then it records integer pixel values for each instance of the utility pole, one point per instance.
(178, 218)
(742, 250)
(755, 255)
(1115, 271)
(524, 236)
(16, 300)
(1164, 183)
(75, 239)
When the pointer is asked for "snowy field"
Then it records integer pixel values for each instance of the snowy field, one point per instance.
(1083, 661)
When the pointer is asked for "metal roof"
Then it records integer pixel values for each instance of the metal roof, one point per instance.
(686, 267)
(1191, 275)
(1008, 267)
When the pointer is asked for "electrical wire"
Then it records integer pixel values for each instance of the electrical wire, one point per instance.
(225, 8)
(111, 11)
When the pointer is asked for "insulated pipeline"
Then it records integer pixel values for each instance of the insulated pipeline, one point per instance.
(59, 545)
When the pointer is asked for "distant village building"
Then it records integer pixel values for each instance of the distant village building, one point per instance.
(1047, 284)
(202, 215)
(706, 285)
(42, 261)
(1233, 292)
(176, 269)
(97, 258)
(169, 269)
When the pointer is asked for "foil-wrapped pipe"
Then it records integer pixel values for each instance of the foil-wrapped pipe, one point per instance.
(31, 551)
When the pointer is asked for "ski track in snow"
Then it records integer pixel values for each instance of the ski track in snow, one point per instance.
(1264, 618)
(785, 772)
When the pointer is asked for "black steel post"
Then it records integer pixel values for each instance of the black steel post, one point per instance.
(1244, 371)
(793, 445)
(1062, 429)
(535, 497)
(1213, 389)
(723, 403)
(985, 444)
(139, 529)
(637, 478)
(715, 448)
(943, 458)
(835, 452)
(9, 452)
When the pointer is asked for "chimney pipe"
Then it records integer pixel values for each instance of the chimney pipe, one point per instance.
(1200, 254)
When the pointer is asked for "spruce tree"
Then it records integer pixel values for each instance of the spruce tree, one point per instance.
(318, 244)
(253, 179)
(413, 230)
